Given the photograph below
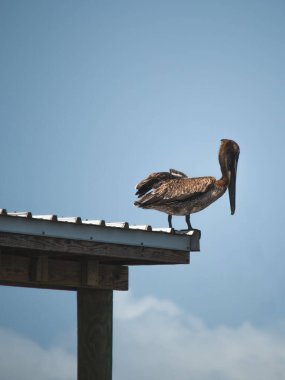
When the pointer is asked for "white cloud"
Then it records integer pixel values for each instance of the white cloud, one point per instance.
(23, 359)
(156, 340)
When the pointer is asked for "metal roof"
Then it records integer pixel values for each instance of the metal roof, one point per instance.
(97, 231)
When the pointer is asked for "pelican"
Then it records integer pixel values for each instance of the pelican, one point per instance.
(176, 194)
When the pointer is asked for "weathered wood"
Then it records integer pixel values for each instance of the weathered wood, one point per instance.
(42, 273)
(46, 272)
(94, 316)
(117, 253)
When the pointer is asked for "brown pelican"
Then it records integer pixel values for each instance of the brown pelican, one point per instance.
(176, 194)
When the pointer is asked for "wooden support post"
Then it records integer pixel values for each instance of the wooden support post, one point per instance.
(95, 321)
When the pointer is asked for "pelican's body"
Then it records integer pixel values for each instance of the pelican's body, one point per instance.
(176, 194)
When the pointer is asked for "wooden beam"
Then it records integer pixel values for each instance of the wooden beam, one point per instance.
(94, 321)
(46, 272)
(100, 251)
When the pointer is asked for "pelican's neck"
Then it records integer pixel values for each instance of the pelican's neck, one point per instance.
(224, 180)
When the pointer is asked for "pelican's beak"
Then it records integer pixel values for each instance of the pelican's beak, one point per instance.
(232, 184)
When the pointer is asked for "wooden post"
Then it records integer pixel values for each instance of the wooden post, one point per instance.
(94, 321)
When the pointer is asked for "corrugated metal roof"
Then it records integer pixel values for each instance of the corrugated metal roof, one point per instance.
(78, 220)
(96, 230)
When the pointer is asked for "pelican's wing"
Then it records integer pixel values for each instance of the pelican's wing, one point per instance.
(177, 173)
(154, 180)
(178, 190)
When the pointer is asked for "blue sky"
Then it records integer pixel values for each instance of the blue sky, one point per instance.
(95, 96)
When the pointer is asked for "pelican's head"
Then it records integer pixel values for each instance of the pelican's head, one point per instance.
(228, 157)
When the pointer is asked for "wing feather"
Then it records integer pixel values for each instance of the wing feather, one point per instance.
(154, 180)
(178, 190)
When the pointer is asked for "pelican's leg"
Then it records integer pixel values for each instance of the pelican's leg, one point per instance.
(190, 228)
(170, 221)
(187, 218)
